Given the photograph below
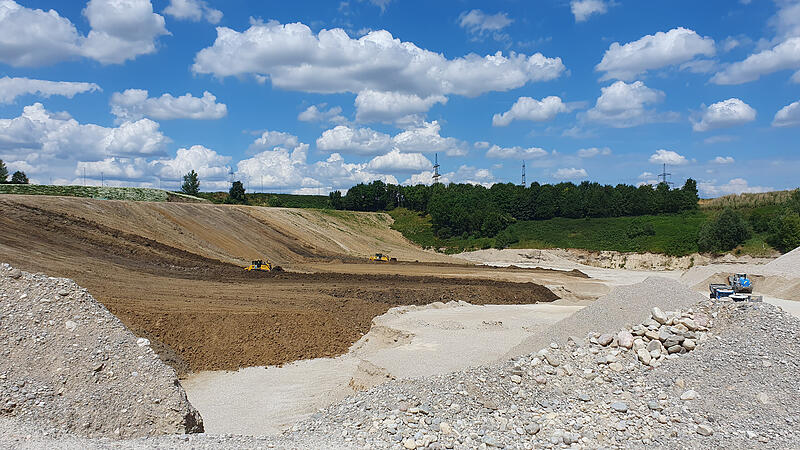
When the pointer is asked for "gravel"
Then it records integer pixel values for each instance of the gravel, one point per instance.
(621, 308)
(787, 265)
(69, 366)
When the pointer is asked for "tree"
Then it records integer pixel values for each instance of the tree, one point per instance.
(3, 172)
(19, 178)
(236, 194)
(191, 184)
(723, 233)
(786, 232)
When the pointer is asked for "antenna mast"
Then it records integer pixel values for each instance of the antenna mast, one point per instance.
(664, 175)
(524, 183)
(436, 169)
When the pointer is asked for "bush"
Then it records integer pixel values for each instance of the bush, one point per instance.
(724, 233)
(236, 194)
(19, 178)
(785, 234)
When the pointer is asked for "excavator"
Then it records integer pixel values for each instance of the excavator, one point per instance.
(264, 266)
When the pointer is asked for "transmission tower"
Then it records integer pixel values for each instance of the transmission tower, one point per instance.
(663, 175)
(524, 182)
(436, 169)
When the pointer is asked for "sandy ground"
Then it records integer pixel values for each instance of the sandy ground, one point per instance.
(405, 342)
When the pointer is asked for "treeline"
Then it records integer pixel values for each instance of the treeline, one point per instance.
(473, 210)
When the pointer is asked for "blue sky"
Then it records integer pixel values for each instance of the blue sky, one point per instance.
(313, 96)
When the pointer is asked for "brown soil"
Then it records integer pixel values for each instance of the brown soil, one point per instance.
(202, 313)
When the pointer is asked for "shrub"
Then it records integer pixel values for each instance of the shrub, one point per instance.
(723, 233)
(785, 234)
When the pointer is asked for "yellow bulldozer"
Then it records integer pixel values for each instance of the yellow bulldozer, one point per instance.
(264, 266)
(380, 257)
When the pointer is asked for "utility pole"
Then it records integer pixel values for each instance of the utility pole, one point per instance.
(664, 175)
(84, 175)
(524, 183)
(436, 169)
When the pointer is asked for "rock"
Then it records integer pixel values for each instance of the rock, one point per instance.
(532, 428)
(651, 334)
(552, 360)
(541, 379)
(15, 274)
(654, 345)
(70, 325)
(691, 394)
(445, 428)
(63, 292)
(409, 444)
(689, 344)
(704, 430)
(674, 349)
(516, 379)
(491, 442)
(654, 405)
(644, 356)
(142, 342)
(616, 367)
(584, 397)
(658, 315)
(619, 407)
(605, 339)
(625, 339)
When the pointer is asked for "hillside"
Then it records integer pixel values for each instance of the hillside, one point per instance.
(97, 192)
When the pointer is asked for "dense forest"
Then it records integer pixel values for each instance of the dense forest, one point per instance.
(473, 210)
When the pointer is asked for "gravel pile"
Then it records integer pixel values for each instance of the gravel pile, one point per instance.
(787, 265)
(622, 307)
(69, 366)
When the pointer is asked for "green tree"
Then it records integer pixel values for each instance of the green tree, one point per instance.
(19, 178)
(236, 194)
(785, 234)
(3, 172)
(794, 201)
(723, 233)
(191, 184)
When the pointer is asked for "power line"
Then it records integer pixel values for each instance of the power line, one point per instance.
(663, 175)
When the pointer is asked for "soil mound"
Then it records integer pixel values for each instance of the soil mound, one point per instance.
(69, 365)
(622, 307)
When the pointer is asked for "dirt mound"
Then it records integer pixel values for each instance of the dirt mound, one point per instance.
(70, 366)
(622, 307)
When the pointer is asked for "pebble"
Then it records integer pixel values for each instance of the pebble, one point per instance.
(704, 430)
(605, 339)
(689, 395)
(619, 406)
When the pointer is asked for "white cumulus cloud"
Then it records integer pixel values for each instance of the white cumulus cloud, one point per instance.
(723, 160)
(591, 152)
(295, 58)
(480, 24)
(668, 157)
(583, 9)
(377, 106)
(788, 116)
(622, 105)
(317, 113)
(783, 56)
(360, 141)
(527, 108)
(194, 10)
(271, 139)
(570, 174)
(120, 30)
(394, 161)
(133, 104)
(727, 113)
(515, 152)
(427, 138)
(653, 51)
(11, 88)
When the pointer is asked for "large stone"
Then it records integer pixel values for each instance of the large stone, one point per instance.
(690, 324)
(605, 339)
(15, 273)
(704, 430)
(691, 394)
(644, 356)
(674, 349)
(653, 345)
(70, 325)
(625, 339)
(552, 360)
(658, 315)
(619, 407)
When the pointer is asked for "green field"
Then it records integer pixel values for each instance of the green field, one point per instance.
(97, 192)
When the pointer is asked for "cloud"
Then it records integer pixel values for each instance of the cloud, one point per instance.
(593, 151)
(133, 104)
(317, 113)
(464, 174)
(194, 10)
(120, 30)
(622, 105)
(382, 4)
(570, 174)
(480, 24)
(527, 108)
(11, 88)
(734, 186)
(360, 141)
(650, 52)
(394, 161)
(516, 152)
(271, 139)
(668, 157)
(583, 9)
(426, 138)
(723, 160)
(208, 164)
(294, 58)
(719, 139)
(788, 116)
(481, 145)
(724, 114)
(377, 106)
(783, 56)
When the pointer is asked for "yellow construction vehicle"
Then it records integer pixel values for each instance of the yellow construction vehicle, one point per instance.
(264, 266)
(380, 257)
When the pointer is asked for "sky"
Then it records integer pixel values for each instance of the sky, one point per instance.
(310, 97)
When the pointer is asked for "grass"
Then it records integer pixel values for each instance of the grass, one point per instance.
(277, 200)
(746, 201)
(97, 192)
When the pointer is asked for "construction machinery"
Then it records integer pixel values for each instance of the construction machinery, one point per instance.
(739, 288)
(740, 283)
(264, 266)
(380, 257)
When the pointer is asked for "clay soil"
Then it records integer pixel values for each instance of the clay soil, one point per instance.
(205, 314)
